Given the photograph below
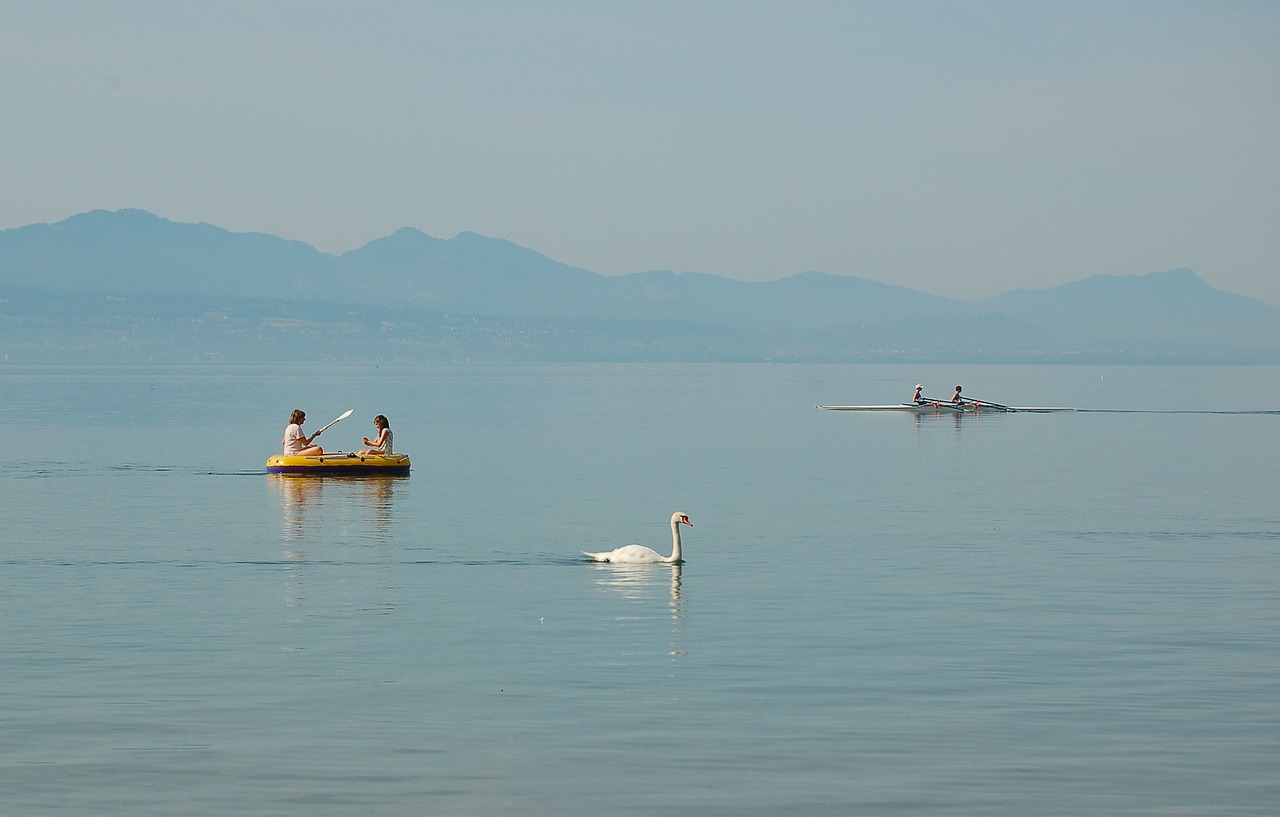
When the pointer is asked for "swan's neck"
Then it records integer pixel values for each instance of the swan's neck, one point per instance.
(675, 541)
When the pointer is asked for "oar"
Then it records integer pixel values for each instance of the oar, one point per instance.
(941, 404)
(977, 402)
(344, 415)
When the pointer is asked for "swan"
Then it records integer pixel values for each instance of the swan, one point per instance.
(639, 554)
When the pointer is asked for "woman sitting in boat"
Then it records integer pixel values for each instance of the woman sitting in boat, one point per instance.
(296, 443)
(918, 399)
(956, 398)
(379, 446)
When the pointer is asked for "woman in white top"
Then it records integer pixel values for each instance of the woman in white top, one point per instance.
(380, 445)
(296, 443)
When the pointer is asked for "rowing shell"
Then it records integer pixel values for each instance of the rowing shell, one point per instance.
(949, 408)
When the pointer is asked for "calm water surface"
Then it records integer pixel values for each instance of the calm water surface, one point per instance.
(1060, 614)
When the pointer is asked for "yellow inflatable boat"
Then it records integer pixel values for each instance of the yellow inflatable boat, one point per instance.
(339, 464)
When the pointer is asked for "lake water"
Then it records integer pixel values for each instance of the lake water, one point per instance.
(1016, 614)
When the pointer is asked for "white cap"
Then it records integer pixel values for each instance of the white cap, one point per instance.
(918, 386)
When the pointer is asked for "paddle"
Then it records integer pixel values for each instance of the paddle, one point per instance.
(344, 415)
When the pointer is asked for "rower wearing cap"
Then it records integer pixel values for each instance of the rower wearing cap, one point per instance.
(956, 398)
(918, 398)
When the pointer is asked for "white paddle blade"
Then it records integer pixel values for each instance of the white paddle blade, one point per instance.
(344, 415)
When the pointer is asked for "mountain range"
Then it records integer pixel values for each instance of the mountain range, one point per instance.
(132, 286)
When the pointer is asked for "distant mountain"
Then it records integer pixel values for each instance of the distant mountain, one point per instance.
(1160, 307)
(109, 284)
(135, 251)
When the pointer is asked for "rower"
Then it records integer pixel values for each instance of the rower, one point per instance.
(918, 399)
(956, 398)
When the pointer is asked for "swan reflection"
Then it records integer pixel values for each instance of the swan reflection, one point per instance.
(638, 582)
(648, 582)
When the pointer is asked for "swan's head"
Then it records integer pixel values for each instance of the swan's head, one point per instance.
(681, 518)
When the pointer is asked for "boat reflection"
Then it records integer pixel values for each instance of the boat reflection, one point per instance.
(954, 418)
(337, 511)
(296, 497)
(378, 494)
(306, 502)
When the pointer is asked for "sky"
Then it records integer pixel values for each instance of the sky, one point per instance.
(955, 147)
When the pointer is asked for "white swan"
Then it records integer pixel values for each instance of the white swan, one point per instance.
(639, 554)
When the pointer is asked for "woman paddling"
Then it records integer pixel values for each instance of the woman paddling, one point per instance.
(296, 443)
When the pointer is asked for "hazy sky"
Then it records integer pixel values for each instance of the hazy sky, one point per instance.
(959, 148)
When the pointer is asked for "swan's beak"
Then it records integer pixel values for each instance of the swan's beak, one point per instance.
(685, 520)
